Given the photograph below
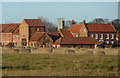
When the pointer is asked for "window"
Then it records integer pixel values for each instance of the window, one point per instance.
(107, 36)
(16, 36)
(3, 42)
(16, 43)
(96, 36)
(76, 35)
(112, 42)
(34, 44)
(7, 42)
(112, 36)
(101, 36)
(44, 38)
(31, 44)
(84, 30)
(91, 35)
(23, 28)
(107, 42)
(23, 35)
(37, 29)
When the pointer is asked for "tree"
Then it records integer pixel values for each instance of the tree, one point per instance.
(100, 21)
(116, 24)
(50, 27)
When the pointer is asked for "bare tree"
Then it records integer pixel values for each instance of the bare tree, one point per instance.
(50, 27)
(100, 21)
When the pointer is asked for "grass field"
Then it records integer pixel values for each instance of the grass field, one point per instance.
(60, 64)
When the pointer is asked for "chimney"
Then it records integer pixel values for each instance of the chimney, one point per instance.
(73, 22)
(83, 22)
(111, 21)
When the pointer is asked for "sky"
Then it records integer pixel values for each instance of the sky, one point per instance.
(15, 12)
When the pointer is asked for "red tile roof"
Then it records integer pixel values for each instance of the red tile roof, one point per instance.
(37, 36)
(76, 40)
(16, 32)
(66, 33)
(34, 22)
(9, 28)
(54, 35)
(100, 28)
(75, 27)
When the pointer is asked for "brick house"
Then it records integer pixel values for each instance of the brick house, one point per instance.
(7, 31)
(104, 33)
(41, 39)
(28, 28)
(86, 42)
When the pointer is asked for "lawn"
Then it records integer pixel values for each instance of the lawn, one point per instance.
(53, 64)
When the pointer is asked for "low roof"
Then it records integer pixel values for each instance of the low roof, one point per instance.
(34, 22)
(76, 40)
(16, 32)
(100, 28)
(37, 36)
(66, 33)
(9, 28)
(75, 27)
(54, 35)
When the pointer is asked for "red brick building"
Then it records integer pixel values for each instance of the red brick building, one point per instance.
(31, 32)
(104, 33)
(7, 31)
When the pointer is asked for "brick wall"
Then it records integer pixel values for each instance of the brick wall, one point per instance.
(6, 38)
(24, 29)
(104, 36)
(16, 40)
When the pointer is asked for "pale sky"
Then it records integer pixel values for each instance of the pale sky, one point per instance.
(15, 12)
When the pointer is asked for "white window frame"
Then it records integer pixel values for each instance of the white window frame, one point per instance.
(91, 35)
(4, 42)
(107, 42)
(84, 30)
(107, 36)
(7, 42)
(101, 36)
(112, 36)
(76, 35)
(23, 34)
(112, 42)
(96, 36)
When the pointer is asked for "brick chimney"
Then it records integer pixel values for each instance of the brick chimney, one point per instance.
(83, 22)
(73, 22)
(111, 21)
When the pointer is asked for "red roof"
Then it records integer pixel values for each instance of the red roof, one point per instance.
(9, 28)
(16, 32)
(75, 27)
(100, 28)
(76, 40)
(66, 33)
(37, 36)
(54, 35)
(34, 22)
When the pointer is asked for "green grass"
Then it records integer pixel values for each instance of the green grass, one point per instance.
(16, 64)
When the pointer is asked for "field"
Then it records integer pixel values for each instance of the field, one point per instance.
(59, 63)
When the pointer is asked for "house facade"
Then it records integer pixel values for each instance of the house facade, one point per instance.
(104, 33)
(31, 32)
